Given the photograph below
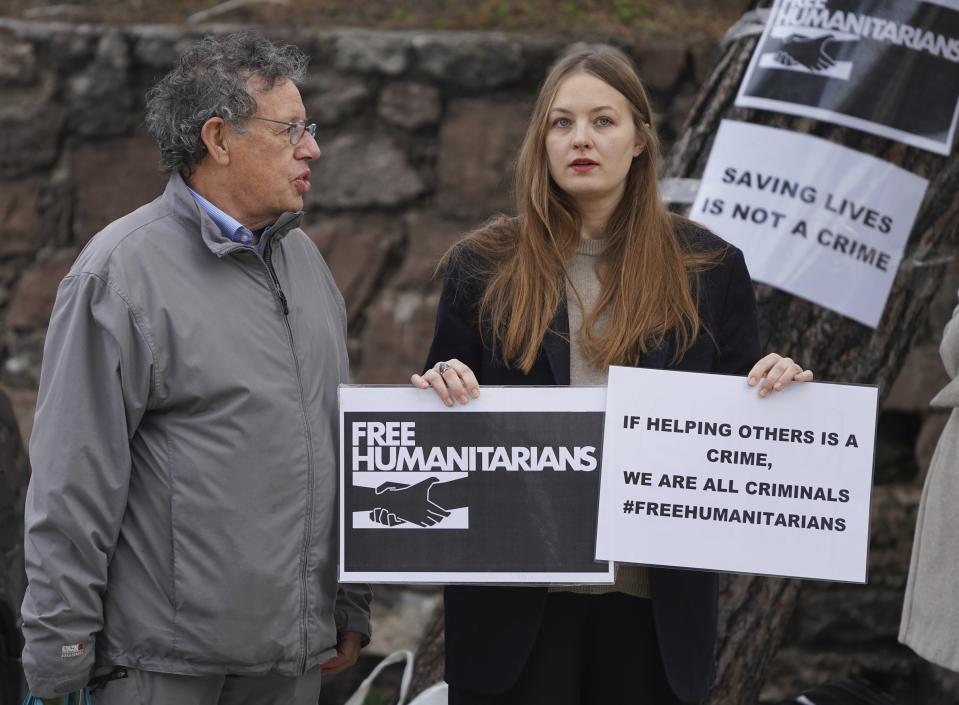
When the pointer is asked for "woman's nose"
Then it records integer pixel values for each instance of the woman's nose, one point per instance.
(581, 138)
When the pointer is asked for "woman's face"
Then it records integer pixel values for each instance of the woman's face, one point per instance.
(591, 139)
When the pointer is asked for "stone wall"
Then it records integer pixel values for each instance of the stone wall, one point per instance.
(418, 132)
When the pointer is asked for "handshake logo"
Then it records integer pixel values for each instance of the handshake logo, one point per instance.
(430, 503)
(408, 503)
(811, 55)
(806, 51)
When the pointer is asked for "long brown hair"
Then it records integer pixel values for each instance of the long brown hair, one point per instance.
(647, 278)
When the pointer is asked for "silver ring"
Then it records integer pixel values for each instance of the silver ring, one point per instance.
(441, 367)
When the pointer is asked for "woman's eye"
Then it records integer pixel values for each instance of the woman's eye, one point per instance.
(603, 121)
(562, 122)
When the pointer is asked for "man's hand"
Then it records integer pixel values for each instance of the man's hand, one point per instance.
(347, 651)
(397, 503)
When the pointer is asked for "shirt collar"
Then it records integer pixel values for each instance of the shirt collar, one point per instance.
(229, 226)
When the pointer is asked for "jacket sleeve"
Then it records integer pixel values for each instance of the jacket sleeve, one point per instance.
(948, 396)
(352, 611)
(739, 347)
(456, 331)
(95, 382)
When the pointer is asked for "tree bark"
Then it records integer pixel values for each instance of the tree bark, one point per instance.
(430, 659)
(755, 611)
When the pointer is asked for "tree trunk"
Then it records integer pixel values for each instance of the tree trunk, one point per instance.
(429, 656)
(755, 611)
(14, 473)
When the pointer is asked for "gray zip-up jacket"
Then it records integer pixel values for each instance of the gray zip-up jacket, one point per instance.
(181, 513)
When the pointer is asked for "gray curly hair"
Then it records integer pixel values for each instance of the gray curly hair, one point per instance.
(210, 80)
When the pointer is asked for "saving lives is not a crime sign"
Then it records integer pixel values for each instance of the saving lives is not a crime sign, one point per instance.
(813, 218)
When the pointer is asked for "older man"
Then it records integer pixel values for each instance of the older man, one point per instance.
(180, 540)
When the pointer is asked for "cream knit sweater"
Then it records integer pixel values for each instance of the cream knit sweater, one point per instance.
(584, 281)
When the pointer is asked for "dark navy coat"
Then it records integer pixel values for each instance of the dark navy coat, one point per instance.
(491, 630)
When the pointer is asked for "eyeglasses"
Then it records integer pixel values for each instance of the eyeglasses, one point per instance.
(296, 129)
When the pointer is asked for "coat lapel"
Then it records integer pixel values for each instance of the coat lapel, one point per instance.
(659, 358)
(656, 359)
(556, 345)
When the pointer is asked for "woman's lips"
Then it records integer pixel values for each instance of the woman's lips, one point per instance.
(583, 167)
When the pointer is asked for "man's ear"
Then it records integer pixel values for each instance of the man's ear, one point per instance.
(213, 134)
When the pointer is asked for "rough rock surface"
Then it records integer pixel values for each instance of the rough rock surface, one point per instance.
(477, 148)
(358, 171)
(410, 104)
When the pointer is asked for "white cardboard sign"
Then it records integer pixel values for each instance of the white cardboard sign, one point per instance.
(699, 472)
(813, 218)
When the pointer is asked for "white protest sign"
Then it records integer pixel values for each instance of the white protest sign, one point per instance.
(818, 220)
(699, 472)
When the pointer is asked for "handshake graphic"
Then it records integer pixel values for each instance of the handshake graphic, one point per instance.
(397, 503)
(806, 51)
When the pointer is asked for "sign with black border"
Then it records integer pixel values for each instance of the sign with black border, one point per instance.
(887, 67)
(502, 490)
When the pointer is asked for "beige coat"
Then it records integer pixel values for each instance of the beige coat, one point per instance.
(930, 613)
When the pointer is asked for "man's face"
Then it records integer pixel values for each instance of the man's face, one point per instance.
(268, 175)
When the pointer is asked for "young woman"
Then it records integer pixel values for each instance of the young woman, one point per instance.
(592, 272)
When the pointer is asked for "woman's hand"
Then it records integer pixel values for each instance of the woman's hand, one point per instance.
(450, 379)
(778, 371)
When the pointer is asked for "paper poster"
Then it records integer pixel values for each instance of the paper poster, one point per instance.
(813, 218)
(502, 490)
(699, 472)
(887, 67)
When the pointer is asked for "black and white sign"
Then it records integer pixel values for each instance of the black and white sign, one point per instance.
(888, 67)
(699, 472)
(502, 490)
(813, 218)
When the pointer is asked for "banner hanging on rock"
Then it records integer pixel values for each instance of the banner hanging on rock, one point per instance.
(813, 218)
(699, 472)
(888, 67)
(502, 490)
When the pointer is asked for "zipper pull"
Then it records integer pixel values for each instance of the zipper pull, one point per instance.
(283, 302)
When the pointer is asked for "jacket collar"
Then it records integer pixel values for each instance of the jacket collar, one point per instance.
(181, 202)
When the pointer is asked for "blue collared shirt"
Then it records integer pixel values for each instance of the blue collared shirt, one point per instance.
(229, 226)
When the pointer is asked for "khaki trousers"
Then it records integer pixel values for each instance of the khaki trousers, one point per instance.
(150, 688)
